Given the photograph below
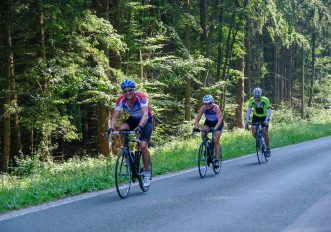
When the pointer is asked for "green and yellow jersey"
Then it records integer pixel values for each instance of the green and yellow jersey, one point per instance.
(260, 109)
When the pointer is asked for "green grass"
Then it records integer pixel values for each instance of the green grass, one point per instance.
(54, 181)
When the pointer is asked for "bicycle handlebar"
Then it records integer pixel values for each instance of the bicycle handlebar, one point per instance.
(205, 131)
(122, 132)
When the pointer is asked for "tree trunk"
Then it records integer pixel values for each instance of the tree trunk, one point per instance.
(40, 37)
(313, 56)
(289, 76)
(239, 123)
(275, 71)
(16, 143)
(188, 80)
(303, 82)
(248, 84)
(220, 41)
(102, 125)
(102, 112)
(203, 21)
(114, 59)
(6, 132)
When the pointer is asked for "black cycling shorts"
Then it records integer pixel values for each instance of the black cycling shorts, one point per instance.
(146, 131)
(213, 124)
(256, 119)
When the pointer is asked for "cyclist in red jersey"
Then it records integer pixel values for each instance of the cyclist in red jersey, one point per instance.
(140, 120)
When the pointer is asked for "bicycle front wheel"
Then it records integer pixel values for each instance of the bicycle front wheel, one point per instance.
(141, 173)
(123, 176)
(202, 160)
(259, 151)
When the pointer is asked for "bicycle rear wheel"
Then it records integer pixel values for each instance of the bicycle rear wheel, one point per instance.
(259, 150)
(123, 177)
(141, 170)
(202, 160)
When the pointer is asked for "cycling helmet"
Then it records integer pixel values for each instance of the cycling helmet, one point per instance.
(257, 92)
(128, 83)
(208, 99)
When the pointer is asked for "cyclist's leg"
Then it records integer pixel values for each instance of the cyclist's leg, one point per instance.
(124, 126)
(146, 154)
(206, 126)
(266, 136)
(256, 119)
(143, 145)
(217, 144)
(254, 131)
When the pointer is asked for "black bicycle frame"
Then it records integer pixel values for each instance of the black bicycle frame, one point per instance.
(133, 157)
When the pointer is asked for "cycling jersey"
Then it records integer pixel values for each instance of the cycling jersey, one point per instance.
(260, 109)
(134, 111)
(210, 114)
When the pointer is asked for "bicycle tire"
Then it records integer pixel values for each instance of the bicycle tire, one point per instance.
(141, 173)
(123, 176)
(259, 151)
(202, 160)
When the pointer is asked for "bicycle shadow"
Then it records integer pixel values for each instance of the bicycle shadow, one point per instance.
(252, 164)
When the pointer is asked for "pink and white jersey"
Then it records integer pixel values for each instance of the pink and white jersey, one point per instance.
(135, 112)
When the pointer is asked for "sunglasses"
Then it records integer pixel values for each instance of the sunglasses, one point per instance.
(127, 91)
(257, 97)
(207, 104)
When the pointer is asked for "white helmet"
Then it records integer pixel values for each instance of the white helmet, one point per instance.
(207, 99)
(257, 92)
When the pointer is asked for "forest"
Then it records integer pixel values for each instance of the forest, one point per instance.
(62, 62)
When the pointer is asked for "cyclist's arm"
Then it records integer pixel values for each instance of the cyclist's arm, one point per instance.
(248, 114)
(114, 118)
(268, 114)
(144, 118)
(219, 116)
(197, 120)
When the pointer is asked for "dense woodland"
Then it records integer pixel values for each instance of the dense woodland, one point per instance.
(62, 62)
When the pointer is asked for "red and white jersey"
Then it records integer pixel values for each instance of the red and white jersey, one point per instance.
(135, 112)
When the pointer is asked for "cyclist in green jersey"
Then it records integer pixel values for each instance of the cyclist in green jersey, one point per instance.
(261, 107)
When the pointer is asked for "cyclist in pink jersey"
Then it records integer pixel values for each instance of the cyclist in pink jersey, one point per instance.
(140, 120)
(214, 118)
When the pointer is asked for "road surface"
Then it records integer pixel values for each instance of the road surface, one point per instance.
(290, 193)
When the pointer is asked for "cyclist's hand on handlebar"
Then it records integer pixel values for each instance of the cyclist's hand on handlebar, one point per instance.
(109, 131)
(266, 122)
(196, 130)
(138, 130)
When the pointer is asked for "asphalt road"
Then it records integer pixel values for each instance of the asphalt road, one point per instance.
(292, 193)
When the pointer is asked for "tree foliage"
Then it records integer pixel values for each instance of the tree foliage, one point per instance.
(63, 53)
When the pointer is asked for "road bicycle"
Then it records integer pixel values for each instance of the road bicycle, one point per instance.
(129, 165)
(206, 153)
(261, 150)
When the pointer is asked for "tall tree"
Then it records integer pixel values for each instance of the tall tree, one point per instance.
(103, 113)
(188, 78)
(239, 118)
(313, 57)
(9, 73)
